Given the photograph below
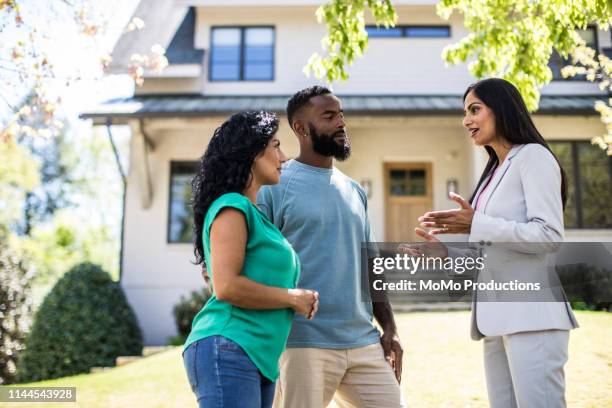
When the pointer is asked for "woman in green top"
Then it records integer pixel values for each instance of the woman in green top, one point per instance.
(231, 355)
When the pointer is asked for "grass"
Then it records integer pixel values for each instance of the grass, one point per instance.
(442, 368)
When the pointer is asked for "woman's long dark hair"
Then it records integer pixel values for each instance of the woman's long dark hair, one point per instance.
(512, 122)
(227, 164)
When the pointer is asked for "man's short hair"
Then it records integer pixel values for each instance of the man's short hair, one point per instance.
(302, 98)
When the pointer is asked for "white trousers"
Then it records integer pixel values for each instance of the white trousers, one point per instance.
(525, 370)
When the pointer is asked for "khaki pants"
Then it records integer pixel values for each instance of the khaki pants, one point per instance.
(360, 377)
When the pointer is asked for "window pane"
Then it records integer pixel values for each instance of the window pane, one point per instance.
(259, 36)
(588, 36)
(408, 182)
(557, 62)
(382, 32)
(596, 186)
(259, 63)
(397, 182)
(258, 71)
(226, 37)
(258, 54)
(428, 32)
(417, 183)
(225, 72)
(225, 54)
(563, 151)
(181, 215)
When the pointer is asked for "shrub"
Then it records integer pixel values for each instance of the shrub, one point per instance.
(15, 308)
(184, 312)
(587, 287)
(84, 321)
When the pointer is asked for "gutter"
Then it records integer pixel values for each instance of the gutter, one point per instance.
(109, 122)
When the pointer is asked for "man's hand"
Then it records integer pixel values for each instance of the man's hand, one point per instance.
(393, 351)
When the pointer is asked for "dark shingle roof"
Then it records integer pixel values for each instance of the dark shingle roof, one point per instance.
(201, 105)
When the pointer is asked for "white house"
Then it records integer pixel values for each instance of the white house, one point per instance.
(403, 109)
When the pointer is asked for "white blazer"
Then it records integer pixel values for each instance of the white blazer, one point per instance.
(522, 211)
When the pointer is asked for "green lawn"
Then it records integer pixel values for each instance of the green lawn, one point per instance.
(442, 368)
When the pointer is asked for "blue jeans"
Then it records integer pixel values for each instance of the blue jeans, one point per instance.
(222, 375)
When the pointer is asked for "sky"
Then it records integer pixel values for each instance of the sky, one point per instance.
(73, 54)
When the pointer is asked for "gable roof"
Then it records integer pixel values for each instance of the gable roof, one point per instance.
(181, 49)
(162, 20)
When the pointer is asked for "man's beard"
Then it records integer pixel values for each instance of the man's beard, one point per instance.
(326, 145)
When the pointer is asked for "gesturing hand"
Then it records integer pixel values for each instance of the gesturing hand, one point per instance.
(431, 248)
(393, 350)
(457, 221)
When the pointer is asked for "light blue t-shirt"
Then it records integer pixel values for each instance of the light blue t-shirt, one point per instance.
(323, 214)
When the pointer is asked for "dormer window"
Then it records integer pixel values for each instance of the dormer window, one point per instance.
(409, 31)
(242, 54)
(557, 62)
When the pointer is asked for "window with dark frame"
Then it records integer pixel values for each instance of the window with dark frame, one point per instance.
(408, 182)
(409, 31)
(180, 213)
(589, 175)
(242, 54)
(557, 62)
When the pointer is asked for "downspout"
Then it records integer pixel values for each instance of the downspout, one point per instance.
(109, 122)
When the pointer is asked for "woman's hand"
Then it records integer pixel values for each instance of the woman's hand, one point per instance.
(304, 302)
(457, 221)
(432, 248)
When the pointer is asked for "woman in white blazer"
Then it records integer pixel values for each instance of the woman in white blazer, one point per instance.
(518, 203)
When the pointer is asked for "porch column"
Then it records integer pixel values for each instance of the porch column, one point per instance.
(142, 145)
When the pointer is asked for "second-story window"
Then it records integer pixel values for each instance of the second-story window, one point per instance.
(409, 31)
(242, 54)
(557, 62)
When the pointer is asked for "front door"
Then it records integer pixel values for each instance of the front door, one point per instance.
(408, 195)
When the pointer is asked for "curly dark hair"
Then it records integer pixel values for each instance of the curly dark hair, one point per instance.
(301, 99)
(227, 164)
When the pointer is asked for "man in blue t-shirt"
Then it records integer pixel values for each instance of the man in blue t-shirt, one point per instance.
(323, 214)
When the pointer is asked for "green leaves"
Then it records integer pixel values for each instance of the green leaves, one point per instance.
(511, 39)
(514, 39)
(85, 321)
(16, 306)
(346, 35)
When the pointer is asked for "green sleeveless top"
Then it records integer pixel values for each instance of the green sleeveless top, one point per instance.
(269, 260)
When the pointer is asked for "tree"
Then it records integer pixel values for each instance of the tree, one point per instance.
(512, 39)
(15, 306)
(18, 175)
(42, 184)
(84, 322)
(346, 35)
(31, 63)
(56, 160)
(596, 68)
